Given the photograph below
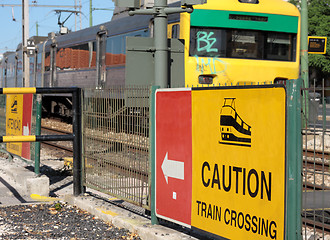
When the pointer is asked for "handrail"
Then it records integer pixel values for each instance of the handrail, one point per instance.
(76, 137)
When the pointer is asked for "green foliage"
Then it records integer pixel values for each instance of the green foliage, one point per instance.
(318, 25)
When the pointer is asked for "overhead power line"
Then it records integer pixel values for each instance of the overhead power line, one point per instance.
(36, 5)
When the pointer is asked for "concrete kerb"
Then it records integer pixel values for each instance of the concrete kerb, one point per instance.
(27, 182)
(124, 218)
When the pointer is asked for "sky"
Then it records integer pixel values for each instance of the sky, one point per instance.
(11, 31)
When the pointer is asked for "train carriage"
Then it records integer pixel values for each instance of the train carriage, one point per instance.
(232, 42)
(241, 42)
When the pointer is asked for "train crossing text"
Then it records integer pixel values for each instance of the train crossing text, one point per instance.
(239, 179)
(236, 219)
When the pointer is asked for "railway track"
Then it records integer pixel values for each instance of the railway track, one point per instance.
(318, 225)
(310, 162)
(98, 149)
(316, 163)
(56, 145)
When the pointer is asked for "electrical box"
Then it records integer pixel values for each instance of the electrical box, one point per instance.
(192, 2)
(140, 66)
(128, 3)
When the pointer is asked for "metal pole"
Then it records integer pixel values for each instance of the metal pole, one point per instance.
(304, 43)
(38, 132)
(77, 144)
(161, 45)
(80, 19)
(75, 16)
(25, 33)
(294, 161)
(154, 219)
(90, 13)
(160, 12)
(304, 56)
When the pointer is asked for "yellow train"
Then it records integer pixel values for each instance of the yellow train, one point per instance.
(241, 42)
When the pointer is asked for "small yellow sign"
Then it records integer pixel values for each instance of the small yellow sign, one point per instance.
(317, 45)
(238, 161)
(14, 116)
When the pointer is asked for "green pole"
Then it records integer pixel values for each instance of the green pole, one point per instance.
(294, 161)
(152, 156)
(160, 12)
(37, 29)
(90, 13)
(304, 54)
(38, 132)
(161, 46)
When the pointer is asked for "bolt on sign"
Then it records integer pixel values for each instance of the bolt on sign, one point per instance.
(18, 122)
(220, 160)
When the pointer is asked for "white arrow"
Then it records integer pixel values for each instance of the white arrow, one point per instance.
(171, 168)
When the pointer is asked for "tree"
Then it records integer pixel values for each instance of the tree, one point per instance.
(319, 25)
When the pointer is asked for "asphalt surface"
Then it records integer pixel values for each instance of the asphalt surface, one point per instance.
(55, 221)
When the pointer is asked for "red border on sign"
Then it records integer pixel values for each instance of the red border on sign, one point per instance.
(174, 140)
(26, 122)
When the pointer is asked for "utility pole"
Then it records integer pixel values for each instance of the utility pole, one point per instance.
(75, 16)
(80, 18)
(37, 28)
(161, 12)
(25, 33)
(161, 45)
(304, 43)
(91, 9)
(90, 13)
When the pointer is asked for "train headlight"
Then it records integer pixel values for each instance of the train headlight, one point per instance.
(205, 79)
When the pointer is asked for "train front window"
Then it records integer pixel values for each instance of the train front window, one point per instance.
(245, 44)
(240, 43)
(207, 42)
(280, 46)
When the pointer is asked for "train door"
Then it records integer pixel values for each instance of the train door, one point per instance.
(101, 42)
(33, 69)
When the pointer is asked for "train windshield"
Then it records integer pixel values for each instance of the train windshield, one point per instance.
(241, 43)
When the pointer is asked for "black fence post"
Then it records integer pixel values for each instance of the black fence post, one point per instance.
(78, 188)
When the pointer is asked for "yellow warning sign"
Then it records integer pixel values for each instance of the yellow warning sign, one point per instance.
(238, 161)
(14, 116)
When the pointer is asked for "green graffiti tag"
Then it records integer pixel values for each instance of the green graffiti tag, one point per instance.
(205, 42)
(210, 64)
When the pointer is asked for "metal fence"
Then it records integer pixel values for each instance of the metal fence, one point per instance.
(316, 158)
(116, 142)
